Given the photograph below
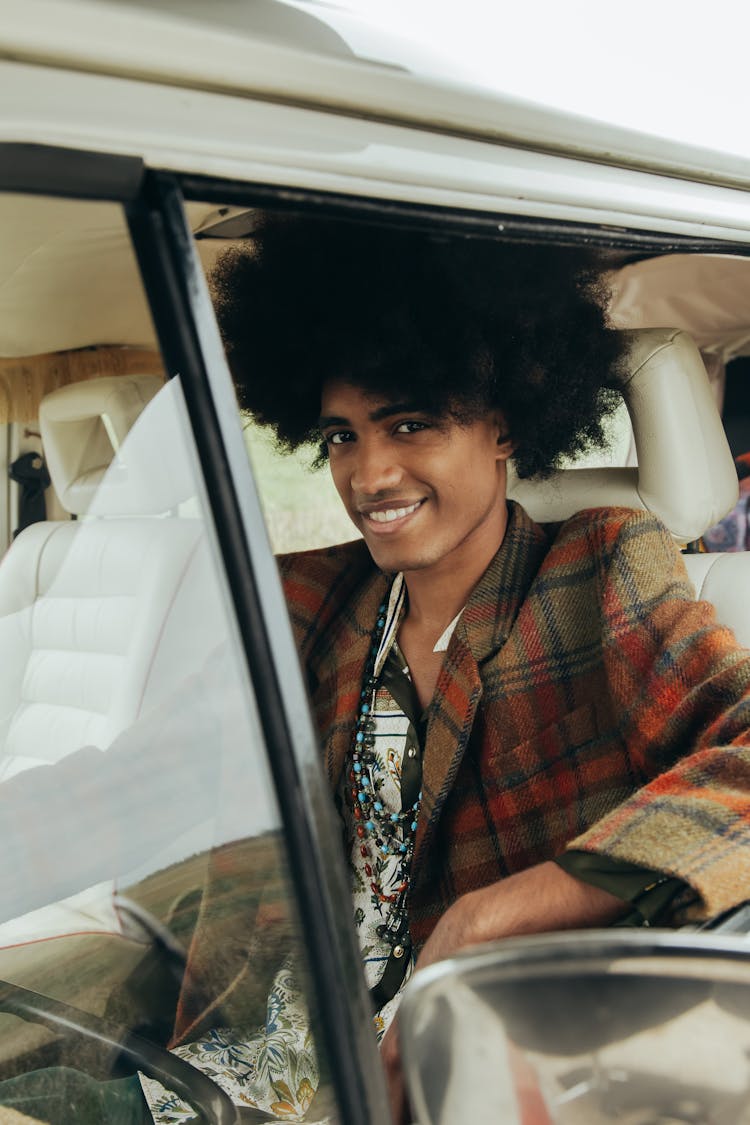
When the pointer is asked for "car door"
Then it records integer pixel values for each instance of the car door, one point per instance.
(173, 865)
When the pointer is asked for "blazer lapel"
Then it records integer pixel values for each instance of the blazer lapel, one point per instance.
(481, 632)
(449, 722)
(338, 668)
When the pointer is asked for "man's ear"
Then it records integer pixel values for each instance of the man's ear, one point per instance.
(506, 447)
(505, 442)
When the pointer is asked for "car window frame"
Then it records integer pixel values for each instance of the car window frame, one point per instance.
(189, 338)
(191, 348)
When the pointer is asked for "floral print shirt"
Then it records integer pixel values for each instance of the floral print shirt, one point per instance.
(274, 1068)
(394, 736)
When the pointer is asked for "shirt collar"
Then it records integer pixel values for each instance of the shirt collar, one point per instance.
(493, 604)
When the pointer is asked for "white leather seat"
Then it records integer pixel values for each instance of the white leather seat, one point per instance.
(724, 580)
(103, 617)
(685, 474)
(93, 612)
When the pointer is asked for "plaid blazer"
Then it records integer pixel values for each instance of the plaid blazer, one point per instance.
(586, 700)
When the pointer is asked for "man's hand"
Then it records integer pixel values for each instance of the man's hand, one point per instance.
(541, 899)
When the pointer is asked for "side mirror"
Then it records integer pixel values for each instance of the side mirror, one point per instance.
(636, 1026)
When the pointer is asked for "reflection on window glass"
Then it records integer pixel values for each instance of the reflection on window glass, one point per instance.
(144, 890)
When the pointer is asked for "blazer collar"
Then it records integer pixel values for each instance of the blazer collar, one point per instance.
(338, 666)
(496, 599)
(480, 634)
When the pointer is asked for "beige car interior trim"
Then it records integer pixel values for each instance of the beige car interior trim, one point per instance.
(73, 259)
(24, 382)
(83, 427)
(707, 295)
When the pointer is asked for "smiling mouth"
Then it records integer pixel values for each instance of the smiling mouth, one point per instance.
(391, 515)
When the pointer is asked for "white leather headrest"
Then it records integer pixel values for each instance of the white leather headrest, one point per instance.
(686, 475)
(83, 427)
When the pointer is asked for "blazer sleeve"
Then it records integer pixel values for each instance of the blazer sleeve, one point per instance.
(680, 690)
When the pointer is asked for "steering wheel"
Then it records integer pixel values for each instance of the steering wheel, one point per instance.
(213, 1105)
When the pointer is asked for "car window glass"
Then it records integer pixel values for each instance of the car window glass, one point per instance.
(300, 504)
(149, 945)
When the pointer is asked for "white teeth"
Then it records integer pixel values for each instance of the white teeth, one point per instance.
(391, 514)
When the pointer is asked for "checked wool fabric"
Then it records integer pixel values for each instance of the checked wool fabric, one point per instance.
(586, 700)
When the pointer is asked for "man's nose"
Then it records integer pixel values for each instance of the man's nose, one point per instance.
(375, 469)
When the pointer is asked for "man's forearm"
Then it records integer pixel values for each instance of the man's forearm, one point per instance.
(537, 900)
(541, 898)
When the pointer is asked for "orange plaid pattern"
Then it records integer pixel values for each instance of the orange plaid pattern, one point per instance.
(586, 700)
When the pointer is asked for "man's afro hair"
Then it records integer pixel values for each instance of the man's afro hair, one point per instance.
(462, 325)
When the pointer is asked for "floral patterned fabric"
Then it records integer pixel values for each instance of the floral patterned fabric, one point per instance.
(274, 1067)
(393, 732)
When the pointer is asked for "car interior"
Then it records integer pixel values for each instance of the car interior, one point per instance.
(114, 600)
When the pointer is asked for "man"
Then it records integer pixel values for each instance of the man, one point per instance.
(525, 728)
(569, 747)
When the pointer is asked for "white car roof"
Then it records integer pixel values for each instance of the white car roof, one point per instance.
(295, 95)
(316, 55)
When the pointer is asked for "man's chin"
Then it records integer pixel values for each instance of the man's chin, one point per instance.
(393, 557)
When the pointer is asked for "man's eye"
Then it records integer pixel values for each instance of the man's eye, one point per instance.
(411, 427)
(339, 437)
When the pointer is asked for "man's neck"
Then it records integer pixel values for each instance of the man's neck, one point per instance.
(437, 594)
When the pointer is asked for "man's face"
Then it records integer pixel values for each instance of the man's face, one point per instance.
(424, 491)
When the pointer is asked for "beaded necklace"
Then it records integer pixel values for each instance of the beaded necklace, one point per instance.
(381, 833)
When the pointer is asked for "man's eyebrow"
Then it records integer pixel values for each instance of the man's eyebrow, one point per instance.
(327, 420)
(392, 408)
(386, 411)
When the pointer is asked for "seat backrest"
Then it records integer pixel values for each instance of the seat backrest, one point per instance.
(724, 580)
(685, 475)
(93, 612)
(104, 617)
